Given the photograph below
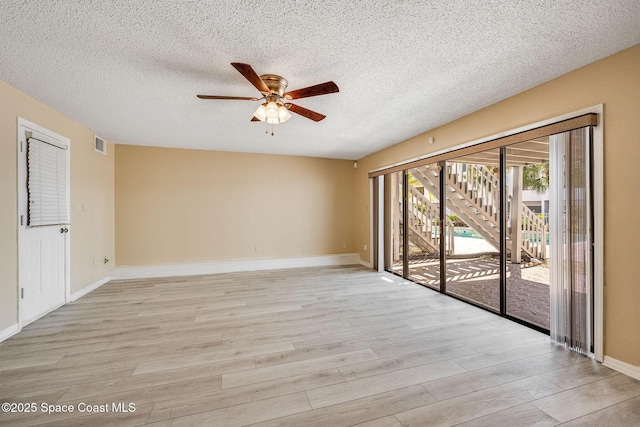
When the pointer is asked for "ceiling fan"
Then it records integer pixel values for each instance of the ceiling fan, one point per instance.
(275, 109)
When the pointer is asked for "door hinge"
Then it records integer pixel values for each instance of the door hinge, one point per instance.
(21, 219)
(21, 147)
(21, 293)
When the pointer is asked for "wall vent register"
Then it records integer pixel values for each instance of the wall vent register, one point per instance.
(100, 145)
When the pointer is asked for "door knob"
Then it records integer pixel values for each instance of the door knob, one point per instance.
(64, 230)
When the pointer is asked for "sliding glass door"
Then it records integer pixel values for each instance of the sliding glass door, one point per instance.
(527, 186)
(423, 231)
(507, 229)
(473, 205)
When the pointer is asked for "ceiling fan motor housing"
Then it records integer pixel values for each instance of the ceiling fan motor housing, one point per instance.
(277, 84)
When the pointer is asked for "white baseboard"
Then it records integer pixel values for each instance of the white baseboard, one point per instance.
(174, 270)
(366, 264)
(622, 367)
(92, 287)
(14, 329)
(9, 332)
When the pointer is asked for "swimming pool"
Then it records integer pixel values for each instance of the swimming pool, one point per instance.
(470, 232)
(466, 232)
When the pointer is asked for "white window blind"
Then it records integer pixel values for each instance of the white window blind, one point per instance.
(46, 183)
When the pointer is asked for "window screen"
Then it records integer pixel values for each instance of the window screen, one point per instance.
(46, 183)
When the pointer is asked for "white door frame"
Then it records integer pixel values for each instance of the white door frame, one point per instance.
(22, 127)
(598, 207)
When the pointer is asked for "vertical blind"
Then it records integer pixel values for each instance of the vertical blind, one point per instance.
(46, 183)
(570, 221)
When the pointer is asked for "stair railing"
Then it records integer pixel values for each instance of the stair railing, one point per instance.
(480, 184)
(427, 215)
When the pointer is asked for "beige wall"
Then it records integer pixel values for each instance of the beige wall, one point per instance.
(180, 206)
(92, 184)
(614, 82)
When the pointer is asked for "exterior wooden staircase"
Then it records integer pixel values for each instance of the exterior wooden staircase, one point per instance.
(472, 195)
(424, 223)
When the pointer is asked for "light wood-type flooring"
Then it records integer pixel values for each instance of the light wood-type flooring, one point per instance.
(326, 347)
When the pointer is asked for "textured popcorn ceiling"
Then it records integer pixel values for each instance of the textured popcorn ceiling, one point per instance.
(130, 70)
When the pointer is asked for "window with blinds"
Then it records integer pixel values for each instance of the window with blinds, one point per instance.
(46, 183)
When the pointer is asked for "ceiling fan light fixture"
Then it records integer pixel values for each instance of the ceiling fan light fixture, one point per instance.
(283, 114)
(271, 110)
(261, 112)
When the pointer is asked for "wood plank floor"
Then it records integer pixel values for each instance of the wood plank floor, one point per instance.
(331, 346)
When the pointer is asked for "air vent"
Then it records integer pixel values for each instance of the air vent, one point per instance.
(100, 145)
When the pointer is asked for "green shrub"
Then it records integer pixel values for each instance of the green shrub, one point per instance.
(457, 222)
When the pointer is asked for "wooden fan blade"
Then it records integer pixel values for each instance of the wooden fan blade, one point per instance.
(240, 98)
(252, 76)
(321, 89)
(253, 119)
(316, 117)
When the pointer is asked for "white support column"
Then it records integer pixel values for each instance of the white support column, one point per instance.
(516, 216)
(380, 224)
(395, 216)
(388, 221)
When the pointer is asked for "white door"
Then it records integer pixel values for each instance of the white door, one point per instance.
(43, 244)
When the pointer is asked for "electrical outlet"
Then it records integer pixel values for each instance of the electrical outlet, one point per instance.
(365, 247)
(257, 248)
(344, 245)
